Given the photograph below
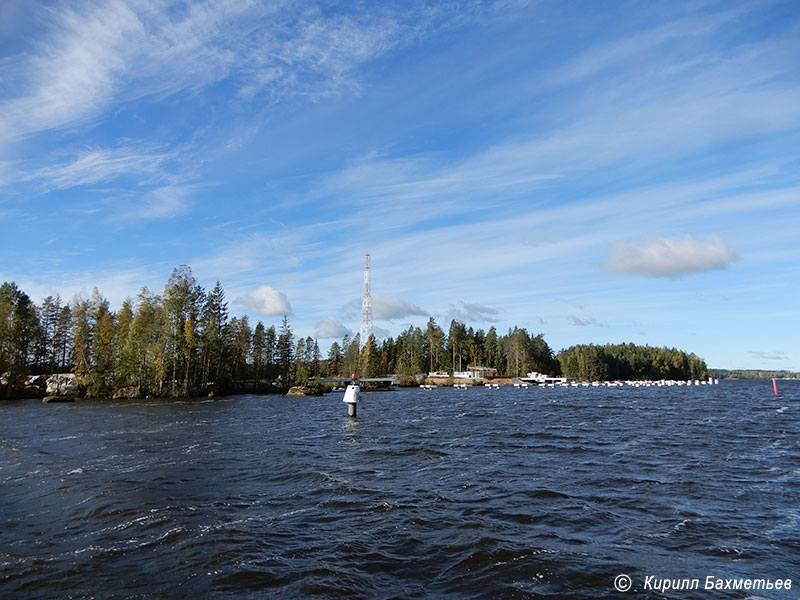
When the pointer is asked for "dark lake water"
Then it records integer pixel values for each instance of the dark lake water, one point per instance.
(541, 493)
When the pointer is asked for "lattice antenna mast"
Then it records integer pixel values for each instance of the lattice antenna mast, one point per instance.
(366, 305)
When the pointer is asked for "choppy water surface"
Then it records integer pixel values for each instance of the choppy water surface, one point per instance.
(540, 493)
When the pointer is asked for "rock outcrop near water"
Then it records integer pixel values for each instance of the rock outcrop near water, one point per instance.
(30, 386)
(5, 379)
(70, 385)
(62, 384)
(53, 399)
(39, 386)
(127, 393)
(300, 391)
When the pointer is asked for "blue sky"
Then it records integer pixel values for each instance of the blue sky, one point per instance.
(597, 172)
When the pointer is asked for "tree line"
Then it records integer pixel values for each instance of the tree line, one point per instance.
(176, 343)
(419, 351)
(629, 361)
(183, 341)
(753, 374)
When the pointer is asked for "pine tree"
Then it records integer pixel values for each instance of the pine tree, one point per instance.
(62, 337)
(258, 350)
(370, 358)
(146, 345)
(182, 301)
(126, 364)
(270, 352)
(285, 351)
(335, 360)
(457, 346)
(103, 367)
(492, 351)
(19, 329)
(351, 355)
(81, 340)
(315, 359)
(300, 371)
(434, 344)
(189, 347)
(241, 336)
(7, 351)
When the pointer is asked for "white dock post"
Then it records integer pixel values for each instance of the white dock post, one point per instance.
(351, 397)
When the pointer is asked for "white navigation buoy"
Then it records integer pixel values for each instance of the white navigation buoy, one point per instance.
(351, 396)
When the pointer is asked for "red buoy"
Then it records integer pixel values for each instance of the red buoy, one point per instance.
(775, 387)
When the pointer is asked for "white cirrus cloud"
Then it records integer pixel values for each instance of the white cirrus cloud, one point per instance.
(91, 56)
(267, 301)
(670, 257)
(776, 355)
(99, 165)
(329, 329)
(161, 203)
(72, 76)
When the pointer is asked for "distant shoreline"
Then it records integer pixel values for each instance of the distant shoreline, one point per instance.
(753, 374)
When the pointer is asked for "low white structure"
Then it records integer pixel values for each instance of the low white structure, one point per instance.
(351, 396)
(438, 374)
(479, 372)
(542, 379)
(471, 373)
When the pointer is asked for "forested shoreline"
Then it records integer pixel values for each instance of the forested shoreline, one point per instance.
(753, 374)
(630, 361)
(182, 342)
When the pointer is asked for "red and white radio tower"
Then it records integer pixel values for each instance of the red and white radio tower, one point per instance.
(366, 305)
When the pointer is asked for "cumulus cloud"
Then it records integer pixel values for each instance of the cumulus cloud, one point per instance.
(329, 329)
(385, 308)
(466, 311)
(380, 333)
(670, 257)
(266, 300)
(588, 322)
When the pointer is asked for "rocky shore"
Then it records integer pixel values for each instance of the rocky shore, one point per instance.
(67, 387)
(58, 385)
